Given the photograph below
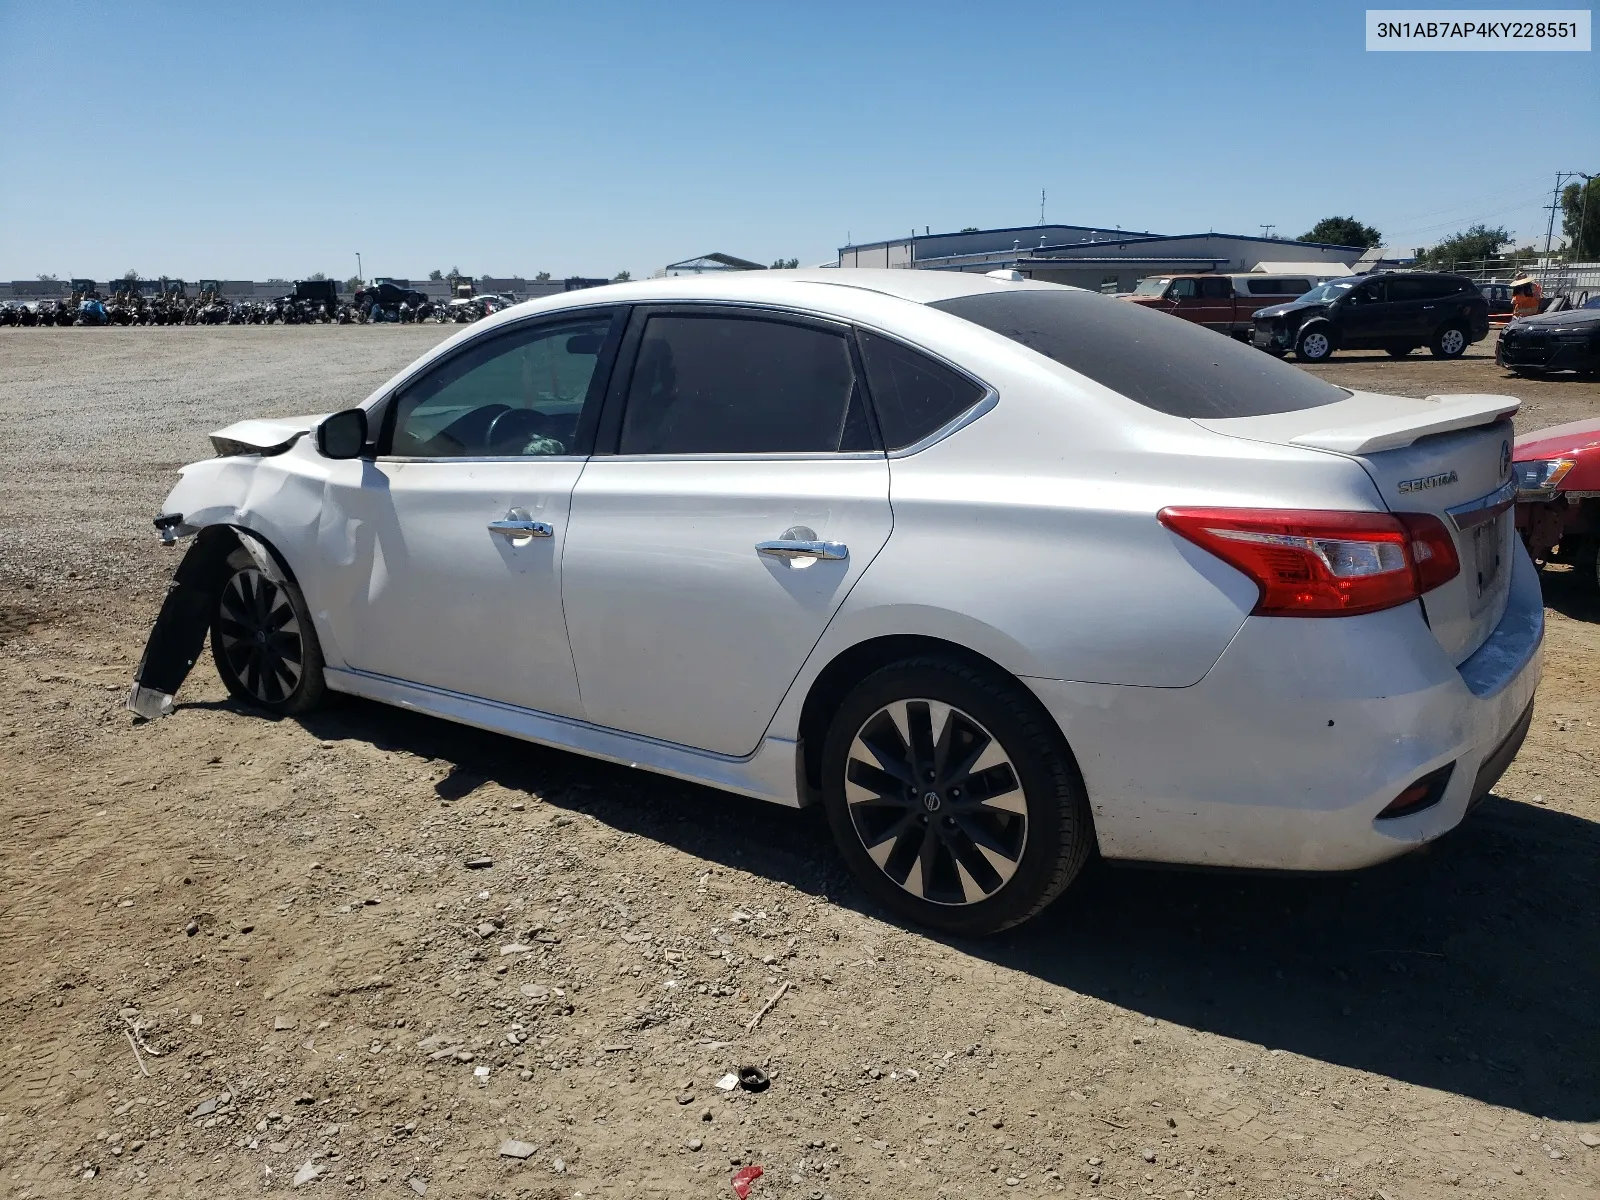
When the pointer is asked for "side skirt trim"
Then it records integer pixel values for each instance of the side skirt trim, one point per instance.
(768, 774)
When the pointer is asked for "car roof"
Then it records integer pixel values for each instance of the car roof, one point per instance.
(922, 287)
(816, 289)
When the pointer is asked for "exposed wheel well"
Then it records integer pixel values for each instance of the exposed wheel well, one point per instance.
(850, 668)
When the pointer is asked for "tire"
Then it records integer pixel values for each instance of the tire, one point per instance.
(263, 642)
(1399, 351)
(1450, 341)
(1034, 819)
(1313, 345)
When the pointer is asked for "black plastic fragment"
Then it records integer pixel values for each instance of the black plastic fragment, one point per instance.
(753, 1079)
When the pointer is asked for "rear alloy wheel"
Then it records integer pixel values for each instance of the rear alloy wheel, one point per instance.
(953, 797)
(1450, 342)
(1314, 346)
(262, 641)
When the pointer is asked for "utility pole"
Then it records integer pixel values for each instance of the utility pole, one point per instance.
(1583, 212)
(359, 275)
(1041, 206)
(1268, 229)
(1555, 204)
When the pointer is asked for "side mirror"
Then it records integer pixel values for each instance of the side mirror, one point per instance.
(343, 435)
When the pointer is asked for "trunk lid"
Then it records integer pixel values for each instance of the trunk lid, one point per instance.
(1445, 455)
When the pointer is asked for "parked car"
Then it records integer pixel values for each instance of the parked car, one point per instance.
(1224, 303)
(1565, 340)
(999, 573)
(1393, 311)
(1498, 296)
(1558, 495)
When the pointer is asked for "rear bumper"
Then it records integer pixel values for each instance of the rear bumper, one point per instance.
(1285, 753)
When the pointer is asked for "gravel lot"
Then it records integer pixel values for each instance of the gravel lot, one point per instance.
(236, 952)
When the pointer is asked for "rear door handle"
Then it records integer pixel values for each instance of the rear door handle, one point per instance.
(795, 548)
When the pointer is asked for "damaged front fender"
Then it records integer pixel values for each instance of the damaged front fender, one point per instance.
(179, 633)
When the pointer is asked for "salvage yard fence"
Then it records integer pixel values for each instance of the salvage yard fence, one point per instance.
(1578, 281)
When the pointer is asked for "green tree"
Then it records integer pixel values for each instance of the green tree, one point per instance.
(785, 264)
(131, 276)
(48, 279)
(1343, 231)
(1474, 244)
(354, 284)
(542, 276)
(316, 275)
(1580, 220)
(436, 275)
(969, 229)
(622, 277)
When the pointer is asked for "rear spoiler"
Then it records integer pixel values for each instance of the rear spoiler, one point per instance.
(1391, 433)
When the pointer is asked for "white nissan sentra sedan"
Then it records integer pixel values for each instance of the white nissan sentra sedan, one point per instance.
(1001, 573)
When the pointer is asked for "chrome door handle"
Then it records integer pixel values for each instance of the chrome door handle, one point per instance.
(793, 548)
(512, 528)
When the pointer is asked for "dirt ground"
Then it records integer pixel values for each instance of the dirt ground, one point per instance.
(238, 952)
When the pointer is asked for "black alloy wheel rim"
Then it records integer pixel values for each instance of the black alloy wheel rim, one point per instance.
(260, 634)
(936, 802)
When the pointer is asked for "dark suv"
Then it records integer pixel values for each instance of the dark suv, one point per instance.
(1395, 311)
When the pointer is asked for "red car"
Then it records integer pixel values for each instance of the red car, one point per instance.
(1558, 494)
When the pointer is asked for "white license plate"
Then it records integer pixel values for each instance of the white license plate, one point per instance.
(1488, 549)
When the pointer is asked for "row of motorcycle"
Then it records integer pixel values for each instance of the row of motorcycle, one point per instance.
(214, 310)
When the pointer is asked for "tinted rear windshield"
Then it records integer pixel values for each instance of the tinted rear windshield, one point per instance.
(1162, 362)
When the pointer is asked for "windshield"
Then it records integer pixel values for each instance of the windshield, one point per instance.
(1174, 367)
(1331, 290)
(1151, 287)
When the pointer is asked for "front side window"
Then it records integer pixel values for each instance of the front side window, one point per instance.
(518, 394)
(913, 395)
(721, 384)
(1182, 289)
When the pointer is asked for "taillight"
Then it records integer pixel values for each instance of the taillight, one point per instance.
(1324, 564)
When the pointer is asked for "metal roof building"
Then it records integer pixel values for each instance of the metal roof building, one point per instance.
(1089, 256)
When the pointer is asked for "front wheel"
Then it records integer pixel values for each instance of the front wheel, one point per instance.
(1314, 346)
(1450, 342)
(262, 640)
(953, 796)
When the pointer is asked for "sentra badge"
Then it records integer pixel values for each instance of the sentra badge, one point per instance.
(1429, 481)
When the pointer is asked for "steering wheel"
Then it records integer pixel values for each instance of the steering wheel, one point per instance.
(517, 427)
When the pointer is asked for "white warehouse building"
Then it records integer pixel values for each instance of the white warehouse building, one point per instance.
(1093, 257)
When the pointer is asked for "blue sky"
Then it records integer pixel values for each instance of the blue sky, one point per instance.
(278, 139)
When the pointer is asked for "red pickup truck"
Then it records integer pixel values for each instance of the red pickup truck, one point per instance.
(1221, 302)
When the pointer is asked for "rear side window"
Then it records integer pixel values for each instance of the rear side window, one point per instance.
(1278, 287)
(1172, 366)
(1403, 289)
(914, 395)
(1215, 289)
(736, 385)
